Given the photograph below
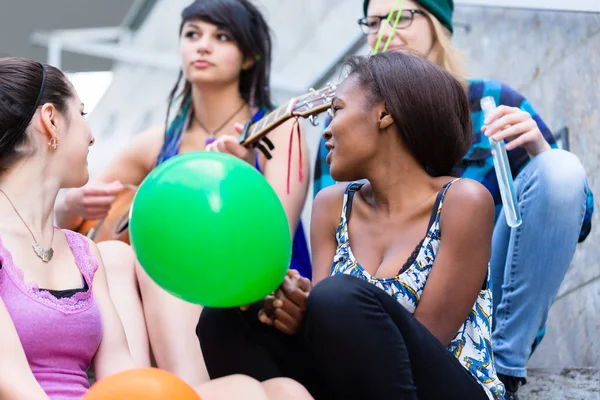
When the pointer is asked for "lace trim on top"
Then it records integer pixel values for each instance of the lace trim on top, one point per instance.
(85, 261)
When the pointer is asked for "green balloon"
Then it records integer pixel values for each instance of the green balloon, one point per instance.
(208, 228)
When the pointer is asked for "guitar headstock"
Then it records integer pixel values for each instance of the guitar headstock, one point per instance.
(312, 103)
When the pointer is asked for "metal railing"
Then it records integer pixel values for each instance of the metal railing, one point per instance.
(112, 43)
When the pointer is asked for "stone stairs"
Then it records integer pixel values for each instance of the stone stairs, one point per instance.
(565, 384)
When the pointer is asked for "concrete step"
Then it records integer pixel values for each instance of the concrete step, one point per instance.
(565, 384)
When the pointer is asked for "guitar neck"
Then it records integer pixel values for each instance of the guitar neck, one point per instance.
(312, 103)
(272, 120)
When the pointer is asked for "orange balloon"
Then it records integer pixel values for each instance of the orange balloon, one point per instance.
(141, 384)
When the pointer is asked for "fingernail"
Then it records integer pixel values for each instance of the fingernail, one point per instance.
(278, 303)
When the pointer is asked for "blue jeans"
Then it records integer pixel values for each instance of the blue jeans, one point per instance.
(529, 263)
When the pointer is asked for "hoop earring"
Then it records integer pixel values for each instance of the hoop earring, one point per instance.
(53, 142)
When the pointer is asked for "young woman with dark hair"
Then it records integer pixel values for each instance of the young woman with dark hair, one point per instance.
(400, 305)
(56, 316)
(225, 49)
(550, 183)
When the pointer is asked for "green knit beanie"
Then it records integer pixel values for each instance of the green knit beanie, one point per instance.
(441, 9)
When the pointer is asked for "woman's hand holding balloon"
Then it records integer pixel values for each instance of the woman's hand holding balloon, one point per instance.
(285, 309)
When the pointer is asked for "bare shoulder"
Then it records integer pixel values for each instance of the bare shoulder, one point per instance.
(331, 197)
(327, 206)
(149, 141)
(137, 158)
(280, 137)
(93, 247)
(468, 192)
(286, 127)
(468, 200)
(99, 275)
(95, 251)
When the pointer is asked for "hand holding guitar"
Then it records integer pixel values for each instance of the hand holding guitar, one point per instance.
(230, 145)
(110, 202)
(93, 201)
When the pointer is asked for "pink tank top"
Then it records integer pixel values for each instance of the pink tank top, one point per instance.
(60, 336)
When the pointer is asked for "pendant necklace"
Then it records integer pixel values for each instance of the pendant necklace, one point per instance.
(211, 135)
(44, 254)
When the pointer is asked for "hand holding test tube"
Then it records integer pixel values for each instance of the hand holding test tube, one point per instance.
(503, 174)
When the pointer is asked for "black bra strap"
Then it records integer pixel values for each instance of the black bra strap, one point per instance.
(436, 206)
(352, 189)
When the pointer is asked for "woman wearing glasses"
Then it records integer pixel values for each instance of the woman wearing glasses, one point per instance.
(551, 184)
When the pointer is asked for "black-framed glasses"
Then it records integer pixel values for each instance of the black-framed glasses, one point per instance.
(370, 25)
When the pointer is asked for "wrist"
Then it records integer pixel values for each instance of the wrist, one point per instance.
(538, 149)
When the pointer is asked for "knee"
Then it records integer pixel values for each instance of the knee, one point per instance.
(118, 257)
(243, 381)
(331, 292)
(560, 174)
(232, 387)
(213, 324)
(333, 298)
(115, 249)
(285, 388)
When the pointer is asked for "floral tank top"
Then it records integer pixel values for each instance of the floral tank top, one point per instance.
(472, 343)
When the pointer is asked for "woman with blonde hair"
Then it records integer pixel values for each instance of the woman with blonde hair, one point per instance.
(552, 190)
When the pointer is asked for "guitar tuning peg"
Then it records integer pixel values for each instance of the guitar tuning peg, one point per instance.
(314, 120)
(312, 90)
(328, 84)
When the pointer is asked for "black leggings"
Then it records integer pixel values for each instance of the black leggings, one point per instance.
(356, 342)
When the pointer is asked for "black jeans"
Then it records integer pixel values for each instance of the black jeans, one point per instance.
(356, 342)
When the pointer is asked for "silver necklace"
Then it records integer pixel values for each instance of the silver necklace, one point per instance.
(44, 254)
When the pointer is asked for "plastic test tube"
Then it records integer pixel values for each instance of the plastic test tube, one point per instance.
(503, 174)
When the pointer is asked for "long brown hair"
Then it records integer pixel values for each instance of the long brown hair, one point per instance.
(251, 34)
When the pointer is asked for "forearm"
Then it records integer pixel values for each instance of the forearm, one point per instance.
(537, 148)
(118, 361)
(17, 388)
